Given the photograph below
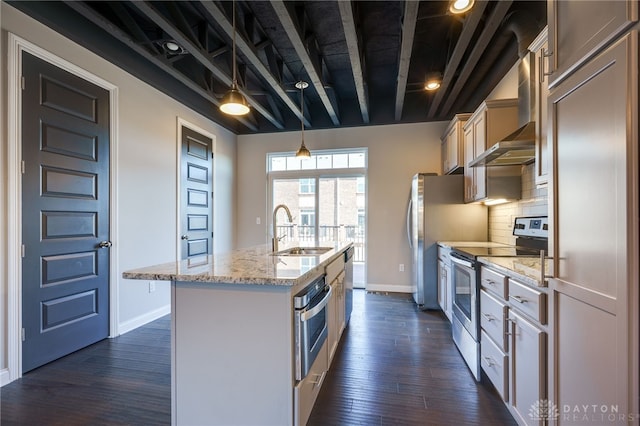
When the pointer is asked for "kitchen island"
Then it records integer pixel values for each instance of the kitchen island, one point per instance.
(232, 335)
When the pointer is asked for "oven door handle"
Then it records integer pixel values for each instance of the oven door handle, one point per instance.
(306, 315)
(462, 262)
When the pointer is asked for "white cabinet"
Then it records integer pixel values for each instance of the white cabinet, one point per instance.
(493, 120)
(445, 283)
(579, 30)
(527, 367)
(593, 296)
(513, 342)
(306, 391)
(336, 307)
(453, 145)
(540, 47)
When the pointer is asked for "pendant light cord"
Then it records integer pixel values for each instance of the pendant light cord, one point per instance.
(302, 108)
(233, 45)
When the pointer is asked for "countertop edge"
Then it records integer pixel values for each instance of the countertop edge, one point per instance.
(520, 277)
(207, 278)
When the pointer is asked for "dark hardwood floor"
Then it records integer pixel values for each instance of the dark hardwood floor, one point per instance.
(395, 365)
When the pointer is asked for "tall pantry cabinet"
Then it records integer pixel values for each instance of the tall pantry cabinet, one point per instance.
(593, 284)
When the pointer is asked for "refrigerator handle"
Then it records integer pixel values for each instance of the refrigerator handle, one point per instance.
(409, 223)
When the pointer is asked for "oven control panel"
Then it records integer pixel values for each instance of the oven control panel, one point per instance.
(535, 227)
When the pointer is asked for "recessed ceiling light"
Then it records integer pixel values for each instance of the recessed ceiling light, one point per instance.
(171, 46)
(433, 82)
(460, 6)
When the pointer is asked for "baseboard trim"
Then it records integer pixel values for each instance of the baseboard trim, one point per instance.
(4, 377)
(389, 288)
(134, 323)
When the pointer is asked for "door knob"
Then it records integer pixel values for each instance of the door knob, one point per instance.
(184, 237)
(105, 244)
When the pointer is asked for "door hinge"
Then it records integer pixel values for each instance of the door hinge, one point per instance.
(23, 82)
(23, 250)
(22, 335)
(22, 166)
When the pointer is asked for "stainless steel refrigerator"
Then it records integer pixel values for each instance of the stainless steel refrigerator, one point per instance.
(437, 212)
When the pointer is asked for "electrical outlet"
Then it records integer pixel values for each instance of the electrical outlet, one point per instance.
(401, 267)
(258, 220)
(152, 286)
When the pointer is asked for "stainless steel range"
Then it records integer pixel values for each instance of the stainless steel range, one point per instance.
(531, 233)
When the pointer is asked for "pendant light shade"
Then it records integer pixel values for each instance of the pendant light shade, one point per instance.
(233, 103)
(302, 152)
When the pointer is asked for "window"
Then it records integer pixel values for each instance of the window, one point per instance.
(320, 160)
(360, 185)
(307, 186)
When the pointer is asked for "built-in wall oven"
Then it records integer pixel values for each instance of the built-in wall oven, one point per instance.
(310, 324)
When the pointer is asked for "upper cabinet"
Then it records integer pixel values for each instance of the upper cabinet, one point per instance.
(578, 30)
(539, 47)
(493, 120)
(453, 145)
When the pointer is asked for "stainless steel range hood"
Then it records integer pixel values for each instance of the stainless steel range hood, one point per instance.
(515, 149)
(518, 147)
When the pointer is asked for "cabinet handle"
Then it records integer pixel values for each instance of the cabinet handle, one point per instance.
(490, 362)
(490, 282)
(518, 299)
(319, 379)
(545, 54)
(488, 317)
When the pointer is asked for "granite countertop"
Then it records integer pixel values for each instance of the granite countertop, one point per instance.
(524, 269)
(451, 244)
(253, 265)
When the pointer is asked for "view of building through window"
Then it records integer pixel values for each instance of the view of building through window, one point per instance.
(327, 197)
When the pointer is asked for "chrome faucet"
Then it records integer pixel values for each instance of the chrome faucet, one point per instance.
(276, 239)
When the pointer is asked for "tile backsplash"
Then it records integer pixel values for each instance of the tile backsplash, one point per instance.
(533, 203)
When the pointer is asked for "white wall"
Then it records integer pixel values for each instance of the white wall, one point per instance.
(396, 153)
(146, 185)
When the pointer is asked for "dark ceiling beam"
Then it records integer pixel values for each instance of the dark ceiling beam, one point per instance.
(468, 29)
(131, 24)
(203, 57)
(492, 24)
(120, 35)
(349, 26)
(299, 45)
(182, 25)
(408, 33)
(250, 54)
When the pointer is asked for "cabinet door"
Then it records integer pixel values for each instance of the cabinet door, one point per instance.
(527, 368)
(452, 151)
(469, 175)
(541, 95)
(578, 30)
(444, 153)
(479, 146)
(594, 289)
(442, 289)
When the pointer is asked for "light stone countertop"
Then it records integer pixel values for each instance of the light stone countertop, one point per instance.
(524, 269)
(451, 244)
(253, 265)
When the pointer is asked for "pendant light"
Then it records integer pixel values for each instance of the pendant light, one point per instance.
(233, 103)
(303, 152)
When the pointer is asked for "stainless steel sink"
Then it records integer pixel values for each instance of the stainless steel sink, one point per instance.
(302, 251)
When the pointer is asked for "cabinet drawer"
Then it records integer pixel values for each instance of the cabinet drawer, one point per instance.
(493, 314)
(334, 268)
(495, 365)
(528, 301)
(307, 390)
(494, 282)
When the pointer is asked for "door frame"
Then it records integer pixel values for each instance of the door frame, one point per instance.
(180, 122)
(15, 47)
